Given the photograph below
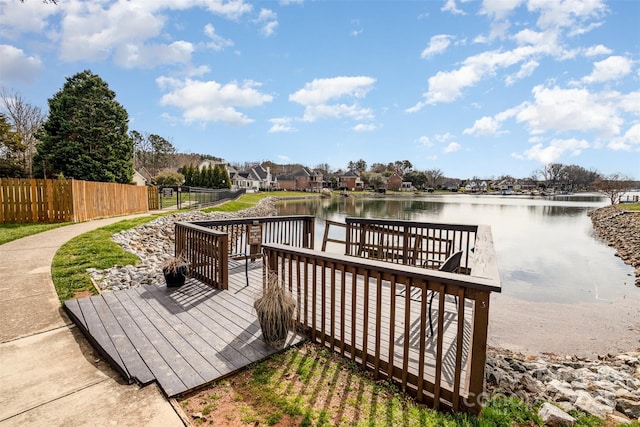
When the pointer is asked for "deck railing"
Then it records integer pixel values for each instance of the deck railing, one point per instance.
(408, 242)
(377, 313)
(208, 245)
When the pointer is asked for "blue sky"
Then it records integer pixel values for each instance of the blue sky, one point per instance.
(472, 88)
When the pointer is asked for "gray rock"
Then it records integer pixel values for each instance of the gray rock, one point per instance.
(554, 416)
(628, 407)
(589, 405)
(561, 391)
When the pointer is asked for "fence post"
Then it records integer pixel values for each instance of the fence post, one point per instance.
(478, 350)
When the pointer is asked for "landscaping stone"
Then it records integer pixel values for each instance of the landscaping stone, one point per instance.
(622, 230)
(154, 242)
(598, 387)
(554, 416)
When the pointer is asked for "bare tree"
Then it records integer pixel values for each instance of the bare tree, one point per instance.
(614, 186)
(552, 173)
(433, 177)
(25, 119)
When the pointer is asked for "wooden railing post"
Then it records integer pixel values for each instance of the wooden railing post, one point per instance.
(478, 356)
(223, 262)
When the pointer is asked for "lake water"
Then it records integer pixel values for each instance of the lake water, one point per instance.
(546, 247)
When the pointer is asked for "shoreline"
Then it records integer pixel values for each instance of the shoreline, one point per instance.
(621, 229)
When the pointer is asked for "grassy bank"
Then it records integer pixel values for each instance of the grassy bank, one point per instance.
(311, 386)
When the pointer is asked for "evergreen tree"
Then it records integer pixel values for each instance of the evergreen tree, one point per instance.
(216, 177)
(85, 136)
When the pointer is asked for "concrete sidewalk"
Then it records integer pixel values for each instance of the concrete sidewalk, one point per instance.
(49, 374)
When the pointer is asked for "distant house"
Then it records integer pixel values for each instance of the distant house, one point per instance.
(304, 179)
(141, 176)
(407, 186)
(476, 186)
(255, 178)
(351, 181)
(286, 181)
(267, 181)
(394, 183)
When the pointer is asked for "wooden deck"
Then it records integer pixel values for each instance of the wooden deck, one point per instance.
(182, 337)
(186, 337)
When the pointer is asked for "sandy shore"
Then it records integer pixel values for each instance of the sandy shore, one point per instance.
(584, 329)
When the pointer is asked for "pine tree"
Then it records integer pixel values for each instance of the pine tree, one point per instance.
(85, 136)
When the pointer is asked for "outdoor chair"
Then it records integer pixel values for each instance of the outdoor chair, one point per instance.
(449, 265)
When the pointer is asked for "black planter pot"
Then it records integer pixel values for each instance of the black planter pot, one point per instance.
(175, 278)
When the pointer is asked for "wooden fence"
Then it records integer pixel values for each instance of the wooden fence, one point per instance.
(153, 198)
(47, 200)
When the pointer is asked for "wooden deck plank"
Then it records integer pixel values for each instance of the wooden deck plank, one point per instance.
(95, 327)
(186, 376)
(176, 332)
(133, 363)
(196, 331)
(148, 352)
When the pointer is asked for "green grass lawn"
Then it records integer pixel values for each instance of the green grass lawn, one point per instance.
(9, 232)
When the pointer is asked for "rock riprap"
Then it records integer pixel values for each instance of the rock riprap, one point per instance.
(154, 242)
(621, 229)
(606, 388)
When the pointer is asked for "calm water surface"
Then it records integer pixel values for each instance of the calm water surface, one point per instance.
(546, 248)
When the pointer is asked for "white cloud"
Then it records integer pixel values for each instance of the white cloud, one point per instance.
(92, 33)
(556, 148)
(484, 126)
(526, 70)
(557, 109)
(281, 125)
(364, 127)
(30, 16)
(95, 31)
(450, 6)
(316, 97)
(499, 9)
(611, 68)
(357, 30)
(452, 147)
(597, 50)
(566, 14)
(283, 158)
(210, 101)
(555, 18)
(442, 137)
(426, 141)
(217, 42)
(148, 56)
(268, 19)
(629, 141)
(437, 44)
(17, 66)
(320, 91)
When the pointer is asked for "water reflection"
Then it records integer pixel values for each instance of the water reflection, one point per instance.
(546, 247)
